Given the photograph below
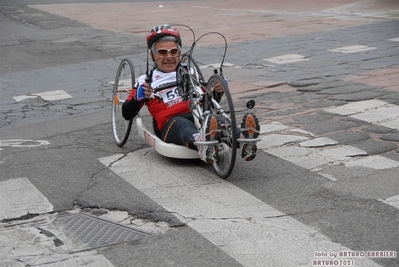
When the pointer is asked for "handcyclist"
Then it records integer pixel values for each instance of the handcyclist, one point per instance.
(173, 121)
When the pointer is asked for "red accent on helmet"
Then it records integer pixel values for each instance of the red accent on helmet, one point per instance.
(160, 31)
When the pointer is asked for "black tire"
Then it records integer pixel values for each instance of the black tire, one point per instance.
(124, 82)
(224, 164)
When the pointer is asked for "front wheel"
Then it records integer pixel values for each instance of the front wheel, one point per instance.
(195, 69)
(222, 105)
(124, 81)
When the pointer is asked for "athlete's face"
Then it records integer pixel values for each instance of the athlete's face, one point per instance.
(166, 55)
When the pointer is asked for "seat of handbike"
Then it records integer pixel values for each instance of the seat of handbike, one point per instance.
(165, 149)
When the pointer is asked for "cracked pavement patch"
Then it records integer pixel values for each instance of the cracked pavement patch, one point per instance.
(40, 240)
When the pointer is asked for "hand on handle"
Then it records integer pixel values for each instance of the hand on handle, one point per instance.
(143, 92)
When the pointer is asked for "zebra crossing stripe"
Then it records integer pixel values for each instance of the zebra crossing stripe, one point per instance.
(303, 151)
(373, 111)
(317, 154)
(29, 246)
(247, 229)
(19, 197)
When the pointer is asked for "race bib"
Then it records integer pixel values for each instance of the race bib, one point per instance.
(171, 97)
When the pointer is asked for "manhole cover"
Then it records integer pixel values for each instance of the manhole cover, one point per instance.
(96, 232)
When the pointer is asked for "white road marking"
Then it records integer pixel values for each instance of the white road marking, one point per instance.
(250, 231)
(24, 97)
(356, 107)
(22, 143)
(285, 59)
(328, 176)
(352, 49)
(47, 96)
(315, 154)
(123, 84)
(217, 65)
(273, 126)
(54, 95)
(278, 140)
(318, 153)
(318, 142)
(373, 111)
(19, 197)
(394, 39)
(374, 162)
(381, 114)
(23, 243)
(393, 201)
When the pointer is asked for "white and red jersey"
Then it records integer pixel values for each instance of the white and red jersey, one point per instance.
(171, 103)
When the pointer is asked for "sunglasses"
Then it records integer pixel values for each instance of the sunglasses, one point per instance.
(164, 52)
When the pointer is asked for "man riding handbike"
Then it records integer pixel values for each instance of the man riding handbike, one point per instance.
(173, 121)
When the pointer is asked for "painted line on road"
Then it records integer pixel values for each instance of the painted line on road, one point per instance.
(373, 111)
(315, 154)
(247, 229)
(293, 58)
(352, 49)
(22, 143)
(46, 96)
(25, 243)
(19, 197)
(393, 201)
(285, 59)
(319, 154)
(25, 239)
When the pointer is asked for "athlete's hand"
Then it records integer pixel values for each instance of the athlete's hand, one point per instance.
(219, 88)
(143, 92)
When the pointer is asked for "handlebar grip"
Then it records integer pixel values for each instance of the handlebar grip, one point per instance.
(148, 76)
(165, 86)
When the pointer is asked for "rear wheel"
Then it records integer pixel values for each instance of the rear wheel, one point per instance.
(124, 81)
(222, 105)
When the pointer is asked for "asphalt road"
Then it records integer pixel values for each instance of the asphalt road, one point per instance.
(324, 180)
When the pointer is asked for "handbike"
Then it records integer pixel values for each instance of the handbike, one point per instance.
(121, 128)
(203, 100)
